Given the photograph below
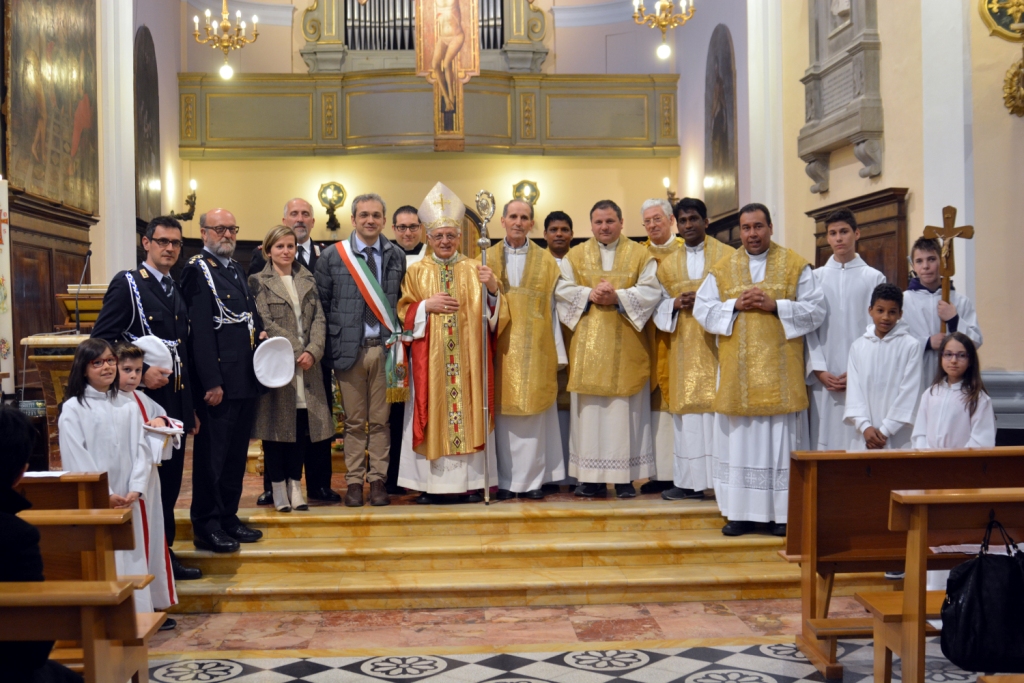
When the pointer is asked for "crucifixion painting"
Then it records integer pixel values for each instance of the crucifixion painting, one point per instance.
(448, 55)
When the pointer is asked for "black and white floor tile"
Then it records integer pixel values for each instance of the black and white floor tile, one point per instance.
(780, 663)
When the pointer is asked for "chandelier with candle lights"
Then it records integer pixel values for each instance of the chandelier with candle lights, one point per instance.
(664, 18)
(225, 37)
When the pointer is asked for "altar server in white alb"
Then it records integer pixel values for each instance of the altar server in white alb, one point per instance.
(98, 435)
(847, 282)
(692, 354)
(527, 357)
(924, 310)
(760, 301)
(956, 411)
(607, 292)
(882, 377)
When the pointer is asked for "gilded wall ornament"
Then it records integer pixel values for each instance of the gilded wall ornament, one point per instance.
(1000, 16)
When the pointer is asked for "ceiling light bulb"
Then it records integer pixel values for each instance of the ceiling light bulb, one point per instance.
(192, 184)
(226, 72)
(664, 51)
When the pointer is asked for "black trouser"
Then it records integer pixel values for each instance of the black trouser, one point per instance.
(170, 486)
(218, 463)
(283, 459)
(317, 456)
(397, 422)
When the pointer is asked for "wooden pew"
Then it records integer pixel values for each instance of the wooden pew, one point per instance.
(66, 491)
(99, 614)
(839, 523)
(899, 618)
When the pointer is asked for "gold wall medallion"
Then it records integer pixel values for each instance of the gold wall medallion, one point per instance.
(1000, 15)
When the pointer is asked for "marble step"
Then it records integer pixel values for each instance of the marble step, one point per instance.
(317, 591)
(515, 551)
(507, 518)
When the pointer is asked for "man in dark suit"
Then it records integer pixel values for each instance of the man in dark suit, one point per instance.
(146, 301)
(225, 330)
(22, 661)
(298, 215)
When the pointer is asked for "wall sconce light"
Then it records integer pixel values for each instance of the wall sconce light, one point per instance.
(190, 202)
(667, 182)
(332, 195)
(526, 191)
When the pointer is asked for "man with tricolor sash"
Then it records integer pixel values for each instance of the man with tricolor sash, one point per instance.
(447, 444)
(360, 280)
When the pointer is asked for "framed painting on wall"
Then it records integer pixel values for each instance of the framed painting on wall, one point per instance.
(52, 148)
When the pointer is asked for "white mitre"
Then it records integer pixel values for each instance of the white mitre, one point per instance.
(442, 208)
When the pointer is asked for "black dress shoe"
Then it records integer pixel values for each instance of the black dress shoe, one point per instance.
(425, 499)
(324, 495)
(779, 530)
(678, 493)
(738, 528)
(625, 491)
(168, 625)
(216, 541)
(474, 497)
(591, 490)
(551, 488)
(655, 486)
(183, 573)
(504, 494)
(536, 494)
(244, 534)
(395, 490)
(266, 498)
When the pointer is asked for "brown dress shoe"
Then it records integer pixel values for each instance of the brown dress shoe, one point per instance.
(354, 496)
(379, 494)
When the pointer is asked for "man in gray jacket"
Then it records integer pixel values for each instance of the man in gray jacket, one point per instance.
(356, 339)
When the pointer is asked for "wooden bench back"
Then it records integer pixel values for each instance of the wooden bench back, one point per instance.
(68, 491)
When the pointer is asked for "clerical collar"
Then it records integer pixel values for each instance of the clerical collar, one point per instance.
(763, 256)
(609, 247)
(226, 262)
(452, 260)
(517, 250)
(415, 251)
(154, 272)
(694, 250)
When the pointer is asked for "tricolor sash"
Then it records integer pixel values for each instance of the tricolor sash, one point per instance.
(395, 367)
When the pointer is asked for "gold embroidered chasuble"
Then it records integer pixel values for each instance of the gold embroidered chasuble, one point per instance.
(449, 418)
(692, 355)
(563, 374)
(608, 356)
(762, 373)
(657, 340)
(526, 360)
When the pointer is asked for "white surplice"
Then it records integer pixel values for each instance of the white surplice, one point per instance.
(563, 425)
(751, 453)
(944, 420)
(97, 435)
(882, 386)
(920, 312)
(692, 466)
(610, 438)
(529, 447)
(449, 473)
(847, 288)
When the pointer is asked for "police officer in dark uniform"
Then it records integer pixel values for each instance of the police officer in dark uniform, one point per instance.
(146, 301)
(298, 215)
(225, 331)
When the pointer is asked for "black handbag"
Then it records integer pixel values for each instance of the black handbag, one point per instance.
(983, 614)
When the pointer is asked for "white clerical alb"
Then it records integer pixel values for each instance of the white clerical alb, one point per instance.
(751, 453)
(847, 288)
(920, 312)
(944, 420)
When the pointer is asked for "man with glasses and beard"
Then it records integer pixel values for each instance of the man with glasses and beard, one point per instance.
(146, 301)
(298, 215)
(225, 329)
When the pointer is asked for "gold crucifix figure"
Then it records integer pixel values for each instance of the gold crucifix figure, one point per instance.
(947, 266)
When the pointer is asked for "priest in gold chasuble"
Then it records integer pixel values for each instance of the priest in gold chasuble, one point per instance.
(558, 235)
(444, 431)
(661, 242)
(607, 291)
(760, 301)
(691, 357)
(529, 353)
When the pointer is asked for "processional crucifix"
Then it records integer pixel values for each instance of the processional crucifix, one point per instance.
(947, 266)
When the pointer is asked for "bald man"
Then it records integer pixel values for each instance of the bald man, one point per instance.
(225, 330)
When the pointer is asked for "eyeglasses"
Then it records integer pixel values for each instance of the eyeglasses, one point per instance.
(163, 243)
(100, 362)
(444, 238)
(221, 229)
(951, 355)
(407, 228)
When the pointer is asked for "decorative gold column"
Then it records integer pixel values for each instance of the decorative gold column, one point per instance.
(323, 25)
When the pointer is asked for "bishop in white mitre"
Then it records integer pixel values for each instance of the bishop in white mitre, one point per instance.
(607, 292)
(847, 282)
(760, 301)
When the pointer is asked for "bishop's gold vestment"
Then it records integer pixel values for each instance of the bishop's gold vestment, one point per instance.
(449, 417)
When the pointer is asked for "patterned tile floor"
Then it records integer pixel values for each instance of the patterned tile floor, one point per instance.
(759, 663)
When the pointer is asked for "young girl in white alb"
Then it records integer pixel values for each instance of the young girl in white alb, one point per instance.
(97, 435)
(956, 411)
(158, 428)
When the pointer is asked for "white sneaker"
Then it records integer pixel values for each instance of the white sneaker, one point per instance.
(280, 492)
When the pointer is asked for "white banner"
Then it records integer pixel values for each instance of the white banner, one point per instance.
(6, 288)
